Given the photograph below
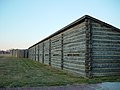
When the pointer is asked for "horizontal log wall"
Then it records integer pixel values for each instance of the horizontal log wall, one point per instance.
(105, 51)
(30, 53)
(56, 51)
(15, 53)
(36, 53)
(74, 49)
(66, 50)
(26, 53)
(46, 52)
(41, 52)
(20, 53)
(88, 48)
(33, 56)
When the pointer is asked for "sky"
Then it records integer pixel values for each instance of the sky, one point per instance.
(26, 22)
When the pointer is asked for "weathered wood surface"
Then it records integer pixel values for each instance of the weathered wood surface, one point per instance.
(41, 52)
(46, 52)
(36, 53)
(89, 49)
(105, 51)
(31, 53)
(56, 51)
(74, 49)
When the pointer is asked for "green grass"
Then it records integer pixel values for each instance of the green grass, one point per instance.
(16, 72)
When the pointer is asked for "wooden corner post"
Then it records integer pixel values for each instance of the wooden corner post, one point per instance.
(88, 57)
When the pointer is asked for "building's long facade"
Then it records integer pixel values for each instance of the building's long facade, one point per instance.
(20, 53)
(88, 47)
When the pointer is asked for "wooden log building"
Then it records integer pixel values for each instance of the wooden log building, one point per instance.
(20, 53)
(88, 47)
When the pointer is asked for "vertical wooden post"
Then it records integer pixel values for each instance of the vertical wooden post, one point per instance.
(27, 53)
(35, 53)
(88, 60)
(23, 53)
(61, 51)
(43, 54)
(38, 52)
(50, 52)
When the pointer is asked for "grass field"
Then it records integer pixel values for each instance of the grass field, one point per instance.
(17, 72)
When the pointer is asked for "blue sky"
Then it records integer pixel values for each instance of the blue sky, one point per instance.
(25, 22)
